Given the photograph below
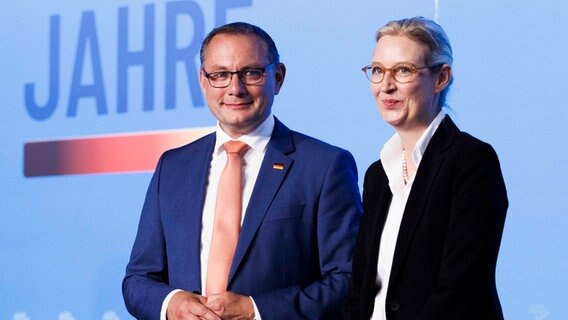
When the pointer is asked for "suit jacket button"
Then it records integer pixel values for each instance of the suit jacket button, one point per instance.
(394, 305)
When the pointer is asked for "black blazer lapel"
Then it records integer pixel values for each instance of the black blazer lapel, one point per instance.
(378, 218)
(427, 171)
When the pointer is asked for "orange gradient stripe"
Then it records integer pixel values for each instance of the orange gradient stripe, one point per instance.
(135, 152)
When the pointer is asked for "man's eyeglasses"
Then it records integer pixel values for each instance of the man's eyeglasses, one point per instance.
(222, 79)
(402, 72)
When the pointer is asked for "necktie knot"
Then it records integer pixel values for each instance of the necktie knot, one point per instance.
(235, 146)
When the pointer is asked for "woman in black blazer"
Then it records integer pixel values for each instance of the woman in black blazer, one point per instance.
(435, 202)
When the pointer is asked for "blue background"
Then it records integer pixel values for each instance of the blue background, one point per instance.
(65, 240)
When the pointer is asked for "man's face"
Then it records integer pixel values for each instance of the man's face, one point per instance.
(240, 108)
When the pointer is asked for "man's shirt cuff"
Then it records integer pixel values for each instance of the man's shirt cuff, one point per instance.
(163, 312)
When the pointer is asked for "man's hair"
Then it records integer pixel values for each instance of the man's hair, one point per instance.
(427, 32)
(242, 28)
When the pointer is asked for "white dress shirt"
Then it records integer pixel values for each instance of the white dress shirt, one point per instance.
(257, 141)
(391, 160)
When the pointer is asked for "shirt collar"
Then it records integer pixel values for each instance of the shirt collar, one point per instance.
(422, 143)
(391, 153)
(257, 139)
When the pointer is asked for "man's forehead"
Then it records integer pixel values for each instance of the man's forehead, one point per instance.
(224, 48)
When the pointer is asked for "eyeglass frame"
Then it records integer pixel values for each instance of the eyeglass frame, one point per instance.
(240, 75)
(412, 67)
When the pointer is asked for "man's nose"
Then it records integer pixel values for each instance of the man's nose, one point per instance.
(236, 86)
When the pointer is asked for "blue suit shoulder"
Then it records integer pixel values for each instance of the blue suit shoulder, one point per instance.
(203, 144)
(290, 140)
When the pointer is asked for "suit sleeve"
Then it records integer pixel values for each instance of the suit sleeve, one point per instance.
(466, 284)
(338, 215)
(144, 286)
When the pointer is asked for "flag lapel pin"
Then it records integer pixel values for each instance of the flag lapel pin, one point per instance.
(278, 166)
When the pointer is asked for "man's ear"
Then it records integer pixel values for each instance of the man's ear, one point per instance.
(279, 75)
(202, 80)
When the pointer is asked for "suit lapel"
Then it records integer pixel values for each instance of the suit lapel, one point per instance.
(421, 188)
(272, 172)
(192, 185)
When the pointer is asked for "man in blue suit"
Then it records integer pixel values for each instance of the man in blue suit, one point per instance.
(300, 204)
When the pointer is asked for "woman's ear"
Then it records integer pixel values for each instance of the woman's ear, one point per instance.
(443, 78)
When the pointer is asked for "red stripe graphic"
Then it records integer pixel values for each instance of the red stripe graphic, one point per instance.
(138, 152)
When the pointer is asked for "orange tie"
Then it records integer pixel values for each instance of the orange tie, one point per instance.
(227, 223)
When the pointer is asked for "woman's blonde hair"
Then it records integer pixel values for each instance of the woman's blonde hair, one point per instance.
(427, 32)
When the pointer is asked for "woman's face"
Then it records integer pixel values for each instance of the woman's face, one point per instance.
(412, 105)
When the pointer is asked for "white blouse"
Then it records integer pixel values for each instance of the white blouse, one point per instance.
(391, 160)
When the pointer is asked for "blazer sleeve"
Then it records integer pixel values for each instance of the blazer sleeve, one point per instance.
(144, 286)
(466, 284)
(338, 216)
